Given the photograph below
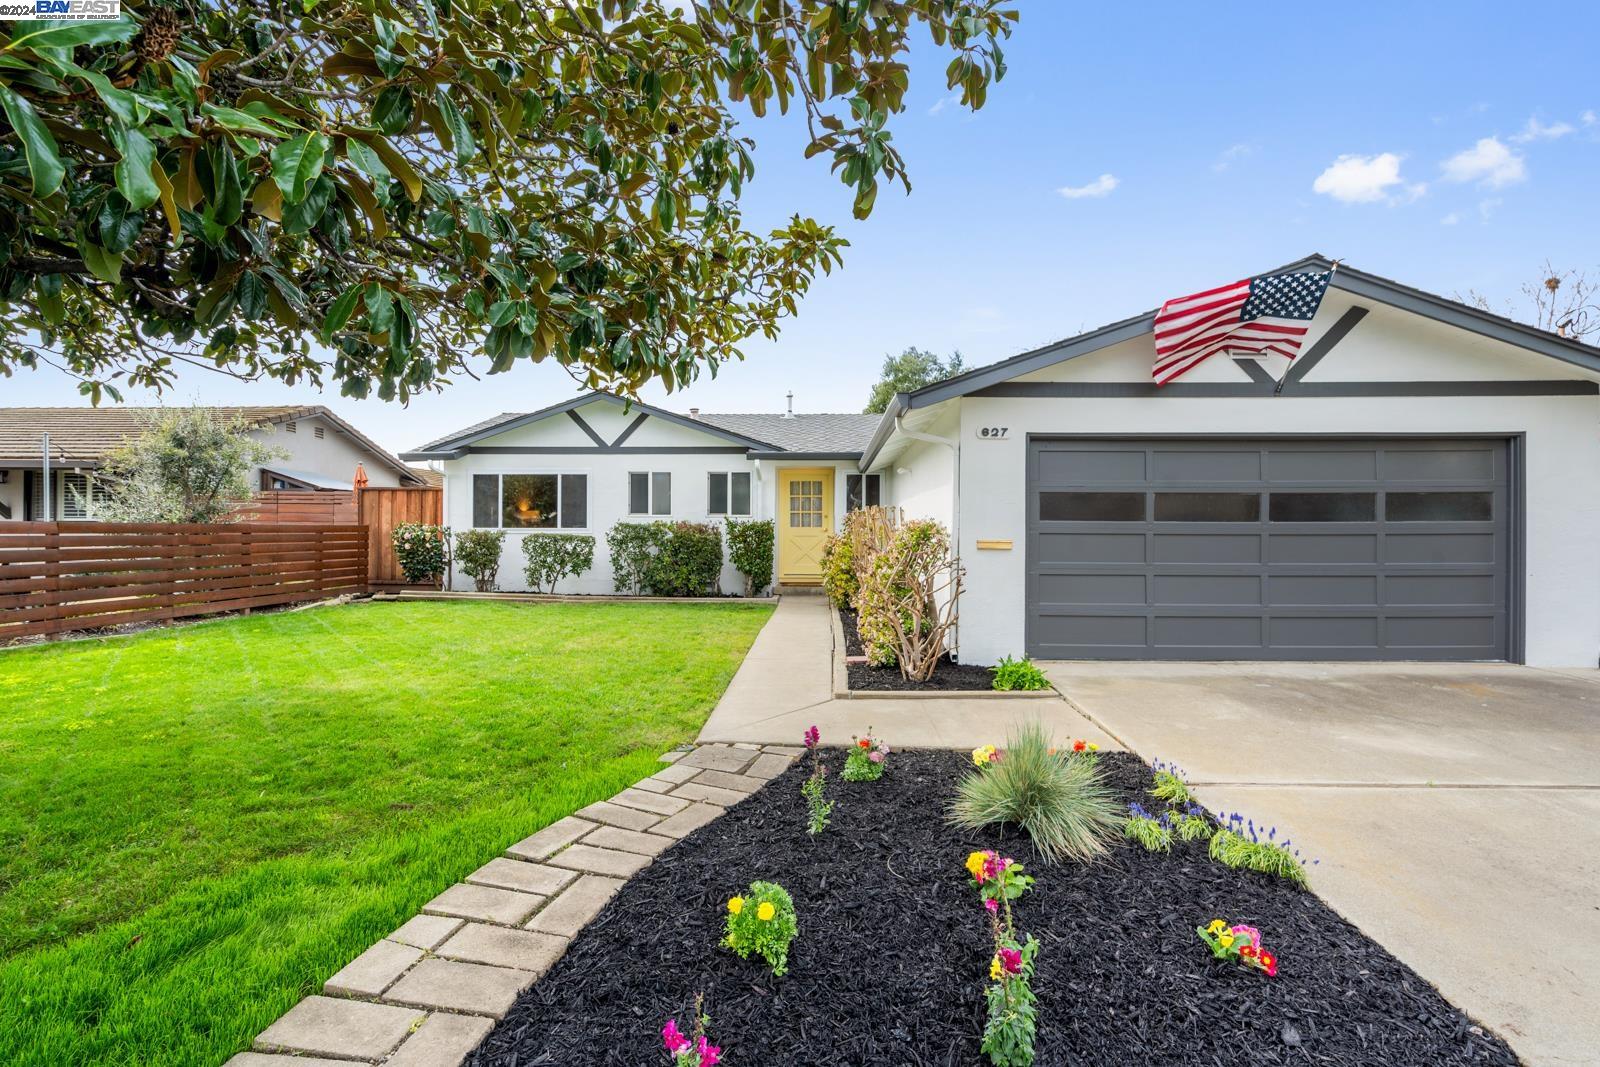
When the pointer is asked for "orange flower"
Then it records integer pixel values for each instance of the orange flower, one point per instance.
(866, 742)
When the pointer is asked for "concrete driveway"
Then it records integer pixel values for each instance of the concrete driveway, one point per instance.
(1455, 810)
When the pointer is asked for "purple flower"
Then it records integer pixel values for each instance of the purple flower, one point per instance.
(1011, 960)
(674, 1041)
(813, 737)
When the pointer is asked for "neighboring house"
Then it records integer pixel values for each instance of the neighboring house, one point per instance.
(1424, 485)
(321, 451)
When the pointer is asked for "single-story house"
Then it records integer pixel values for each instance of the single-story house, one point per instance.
(320, 451)
(1422, 484)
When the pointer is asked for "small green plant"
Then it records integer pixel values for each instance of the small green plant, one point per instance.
(1193, 824)
(1009, 1030)
(1155, 834)
(1240, 943)
(750, 548)
(762, 923)
(866, 760)
(1169, 784)
(552, 557)
(1012, 674)
(1061, 801)
(693, 1049)
(688, 562)
(478, 553)
(1239, 843)
(818, 807)
(422, 550)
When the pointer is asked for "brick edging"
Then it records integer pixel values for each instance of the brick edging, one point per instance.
(426, 995)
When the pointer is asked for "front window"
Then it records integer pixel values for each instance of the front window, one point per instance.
(530, 501)
(650, 493)
(862, 491)
(81, 496)
(729, 493)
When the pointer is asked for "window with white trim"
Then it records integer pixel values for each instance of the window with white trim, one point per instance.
(728, 493)
(650, 493)
(862, 491)
(81, 496)
(537, 501)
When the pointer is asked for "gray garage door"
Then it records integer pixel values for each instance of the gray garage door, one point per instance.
(1269, 549)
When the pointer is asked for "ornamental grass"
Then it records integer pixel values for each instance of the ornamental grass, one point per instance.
(1060, 799)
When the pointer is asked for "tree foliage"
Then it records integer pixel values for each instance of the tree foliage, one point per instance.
(188, 465)
(369, 192)
(1565, 302)
(911, 369)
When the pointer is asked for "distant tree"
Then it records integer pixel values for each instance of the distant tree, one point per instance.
(911, 369)
(1561, 301)
(187, 466)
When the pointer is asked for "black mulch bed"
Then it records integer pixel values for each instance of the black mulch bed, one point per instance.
(893, 952)
(948, 675)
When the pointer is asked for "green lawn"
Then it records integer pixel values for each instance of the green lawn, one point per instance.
(200, 825)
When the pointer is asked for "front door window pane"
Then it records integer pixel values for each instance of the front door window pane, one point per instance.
(805, 504)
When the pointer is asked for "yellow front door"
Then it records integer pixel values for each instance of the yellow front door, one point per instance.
(805, 518)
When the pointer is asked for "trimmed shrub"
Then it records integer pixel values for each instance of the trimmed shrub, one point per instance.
(552, 557)
(633, 547)
(689, 562)
(907, 603)
(838, 571)
(478, 554)
(1010, 674)
(750, 548)
(1062, 802)
(422, 550)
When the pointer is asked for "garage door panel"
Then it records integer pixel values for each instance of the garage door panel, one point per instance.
(1206, 548)
(1270, 549)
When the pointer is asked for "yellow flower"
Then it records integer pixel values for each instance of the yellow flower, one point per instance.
(1216, 926)
(1225, 940)
(979, 757)
(736, 905)
(766, 911)
(996, 969)
(1093, 747)
(975, 862)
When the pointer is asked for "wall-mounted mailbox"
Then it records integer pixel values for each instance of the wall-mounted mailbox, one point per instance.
(1000, 545)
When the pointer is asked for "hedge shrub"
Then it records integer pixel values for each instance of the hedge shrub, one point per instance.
(633, 547)
(689, 563)
(422, 550)
(552, 557)
(750, 549)
(838, 571)
(478, 554)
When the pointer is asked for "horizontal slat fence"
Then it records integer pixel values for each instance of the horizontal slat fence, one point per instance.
(326, 507)
(58, 577)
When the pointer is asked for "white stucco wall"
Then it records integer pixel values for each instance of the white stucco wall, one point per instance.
(1561, 582)
(334, 455)
(608, 482)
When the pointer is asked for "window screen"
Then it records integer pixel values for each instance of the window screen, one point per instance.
(661, 493)
(638, 493)
(728, 493)
(739, 491)
(717, 494)
(486, 500)
(574, 501)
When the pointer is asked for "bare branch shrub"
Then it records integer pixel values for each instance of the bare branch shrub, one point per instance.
(910, 599)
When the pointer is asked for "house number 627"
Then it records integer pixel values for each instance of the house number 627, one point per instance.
(993, 433)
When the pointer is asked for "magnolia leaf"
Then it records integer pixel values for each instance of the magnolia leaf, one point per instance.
(296, 165)
(107, 266)
(44, 161)
(169, 201)
(43, 34)
(339, 313)
(134, 180)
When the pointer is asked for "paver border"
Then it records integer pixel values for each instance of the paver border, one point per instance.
(369, 981)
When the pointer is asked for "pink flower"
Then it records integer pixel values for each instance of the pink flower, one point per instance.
(992, 904)
(994, 866)
(1011, 960)
(875, 757)
(709, 1054)
(674, 1041)
(813, 736)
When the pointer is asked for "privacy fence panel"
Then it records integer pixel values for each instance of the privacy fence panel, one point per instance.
(381, 510)
(325, 507)
(58, 577)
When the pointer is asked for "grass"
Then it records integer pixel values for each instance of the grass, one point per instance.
(199, 825)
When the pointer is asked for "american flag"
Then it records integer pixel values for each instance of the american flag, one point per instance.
(1264, 315)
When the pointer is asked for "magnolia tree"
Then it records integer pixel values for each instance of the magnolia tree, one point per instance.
(365, 192)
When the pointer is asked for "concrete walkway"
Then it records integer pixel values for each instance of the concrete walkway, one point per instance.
(786, 684)
(1455, 809)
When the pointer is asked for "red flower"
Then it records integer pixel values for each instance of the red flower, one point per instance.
(1079, 746)
(865, 742)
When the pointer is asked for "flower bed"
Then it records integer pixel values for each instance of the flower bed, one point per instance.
(894, 950)
(946, 676)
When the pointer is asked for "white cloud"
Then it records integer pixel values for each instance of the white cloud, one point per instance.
(1232, 155)
(1538, 131)
(1588, 118)
(1488, 162)
(1355, 179)
(944, 102)
(1450, 219)
(1101, 186)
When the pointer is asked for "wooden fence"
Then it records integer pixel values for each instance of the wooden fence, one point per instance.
(57, 577)
(380, 511)
(325, 507)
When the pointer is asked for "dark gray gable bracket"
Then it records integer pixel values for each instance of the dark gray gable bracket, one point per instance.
(1268, 388)
(586, 428)
(628, 430)
(1254, 371)
(1320, 348)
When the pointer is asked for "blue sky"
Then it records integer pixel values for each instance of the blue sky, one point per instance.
(1450, 147)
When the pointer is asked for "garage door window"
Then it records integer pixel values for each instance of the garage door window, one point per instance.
(1439, 507)
(1091, 507)
(1208, 507)
(1323, 507)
